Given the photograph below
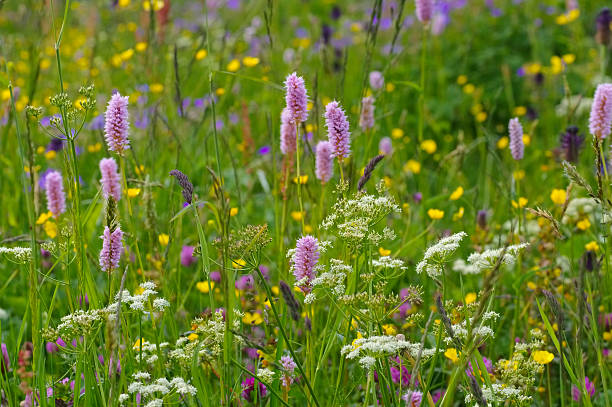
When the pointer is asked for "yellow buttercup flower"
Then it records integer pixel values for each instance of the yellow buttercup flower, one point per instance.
(522, 201)
(459, 214)
(397, 133)
(156, 88)
(520, 111)
(250, 61)
(141, 46)
(44, 217)
(233, 66)
(435, 214)
(462, 80)
(592, 246)
(233, 211)
(50, 229)
(238, 263)
(133, 192)
(583, 224)
(201, 54)
(303, 179)
(542, 357)
(429, 146)
(470, 298)
(503, 142)
(412, 166)
(203, 287)
(457, 193)
(451, 353)
(384, 252)
(164, 239)
(192, 337)
(469, 89)
(252, 318)
(558, 196)
(297, 215)
(389, 329)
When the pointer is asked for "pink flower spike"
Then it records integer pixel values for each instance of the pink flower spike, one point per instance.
(296, 98)
(324, 162)
(515, 131)
(304, 261)
(288, 136)
(424, 10)
(111, 185)
(601, 111)
(56, 199)
(111, 249)
(337, 130)
(117, 123)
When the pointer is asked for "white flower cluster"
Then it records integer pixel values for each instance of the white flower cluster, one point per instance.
(578, 208)
(137, 302)
(367, 349)
(388, 262)
(149, 350)
(481, 332)
(332, 279)
(464, 268)
(79, 323)
(437, 255)
(266, 375)
(161, 386)
(17, 254)
(500, 394)
(489, 258)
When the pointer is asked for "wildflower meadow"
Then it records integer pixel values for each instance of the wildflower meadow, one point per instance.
(305, 203)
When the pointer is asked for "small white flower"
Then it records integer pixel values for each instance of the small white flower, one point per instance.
(160, 304)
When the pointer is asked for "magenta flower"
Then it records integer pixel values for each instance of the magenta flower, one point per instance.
(111, 249)
(413, 398)
(385, 146)
(424, 10)
(377, 80)
(590, 388)
(187, 257)
(111, 186)
(304, 261)
(56, 199)
(337, 130)
(601, 111)
(296, 98)
(117, 123)
(516, 139)
(288, 135)
(366, 120)
(248, 386)
(324, 162)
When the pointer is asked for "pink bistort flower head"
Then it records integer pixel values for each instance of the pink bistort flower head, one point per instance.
(56, 199)
(515, 131)
(601, 111)
(111, 185)
(116, 124)
(304, 260)
(288, 135)
(296, 98)
(366, 120)
(337, 130)
(324, 162)
(111, 249)
(424, 10)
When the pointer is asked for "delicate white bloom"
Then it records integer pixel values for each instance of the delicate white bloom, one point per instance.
(142, 376)
(489, 258)
(500, 393)
(155, 403)
(18, 254)
(266, 375)
(160, 304)
(182, 387)
(134, 387)
(437, 255)
(148, 285)
(334, 278)
(123, 398)
(3, 314)
(464, 268)
(367, 362)
(387, 262)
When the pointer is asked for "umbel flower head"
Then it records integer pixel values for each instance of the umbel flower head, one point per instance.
(424, 10)
(111, 185)
(56, 199)
(515, 130)
(111, 249)
(296, 98)
(601, 111)
(337, 130)
(116, 123)
(366, 120)
(324, 162)
(305, 258)
(288, 134)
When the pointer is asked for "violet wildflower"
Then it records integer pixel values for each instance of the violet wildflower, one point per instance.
(366, 119)
(248, 386)
(288, 365)
(304, 261)
(603, 20)
(424, 10)
(377, 80)
(288, 134)
(571, 144)
(111, 249)
(296, 98)
(601, 111)
(516, 138)
(413, 398)
(187, 257)
(56, 199)
(5, 361)
(56, 144)
(117, 123)
(590, 388)
(111, 185)
(385, 146)
(324, 162)
(338, 130)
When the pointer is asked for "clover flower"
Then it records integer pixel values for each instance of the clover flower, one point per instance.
(288, 134)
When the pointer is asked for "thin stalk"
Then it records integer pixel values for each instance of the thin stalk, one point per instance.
(299, 181)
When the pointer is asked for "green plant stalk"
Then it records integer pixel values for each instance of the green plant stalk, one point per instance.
(299, 181)
(422, 83)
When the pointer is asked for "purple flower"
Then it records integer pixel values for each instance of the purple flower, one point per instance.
(56, 200)
(187, 257)
(117, 123)
(571, 144)
(601, 111)
(590, 388)
(338, 130)
(413, 398)
(247, 389)
(377, 80)
(417, 197)
(111, 186)
(296, 98)
(288, 365)
(111, 249)
(264, 150)
(51, 347)
(304, 260)
(5, 362)
(215, 276)
(603, 20)
(424, 10)
(97, 123)
(56, 144)
(515, 131)
(245, 282)
(288, 135)
(385, 146)
(488, 365)
(366, 119)
(324, 162)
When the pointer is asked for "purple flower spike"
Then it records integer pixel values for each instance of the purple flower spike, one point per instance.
(377, 80)
(324, 162)
(117, 123)
(424, 10)
(601, 111)
(111, 186)
(366, 120)
(338, 130)
(304, 261)
(288, 135)
(296, 98)
(56, 199)
(385, 146)
(111, 249)
(516, 139)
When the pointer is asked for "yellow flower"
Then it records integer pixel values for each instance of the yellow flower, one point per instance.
(297, 215)
(250, 61)
(459, 214)
(203, 287)
(470, 298)
(520, 111)
(412, 166)
(533, 68)
(522, 201)
(233, 66)
(389, 329)
(49, 155)
(192, 336)
(558, 196)
(531, 285)
(518, 175)
(502, 142)
(592, 246)
(157, 5)
(50, 229)
(390, 87)
(469, 89)
(127, 54)
(303, 179)
(451, 353)
(141, 46)
(435, 214)
(429, 146)
(163, 239)
(238, 263)
(137, 344)
(156, 87)
(220, 92)
(252, 318)
(308, 229)
(233, 211)
(397, 133)
(543, 357)
(607, 336)
(569, 58)
(124, 3)
(94, 148)
(457, 193)
(140, 169)
(201, 54)
(583, 224)
(44, 217)
(383, 251)
(462, 80)
(133, 192)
